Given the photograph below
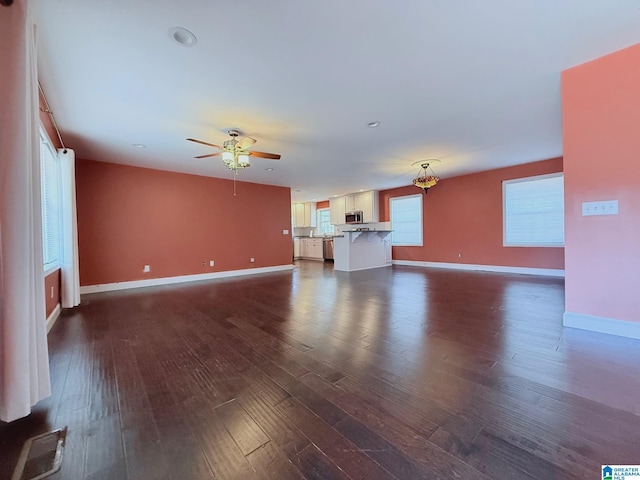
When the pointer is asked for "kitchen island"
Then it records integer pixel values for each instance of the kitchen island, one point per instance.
(362, 250)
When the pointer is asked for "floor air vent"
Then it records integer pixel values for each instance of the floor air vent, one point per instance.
(41, 456)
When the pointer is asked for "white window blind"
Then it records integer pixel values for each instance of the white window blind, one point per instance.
(50, 178)
(324, 222)
(406, 220)
(533, 211)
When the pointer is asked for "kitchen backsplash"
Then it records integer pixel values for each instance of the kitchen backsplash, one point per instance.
(303, 231)
(306, 231)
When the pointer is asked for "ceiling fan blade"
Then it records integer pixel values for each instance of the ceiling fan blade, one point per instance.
(272, 156)
(245, 143)
(203, 143)
(209, 155)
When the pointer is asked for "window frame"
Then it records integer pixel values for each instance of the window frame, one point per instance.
(50, 265)
(421, 216)
(319, 212)
(533, 178)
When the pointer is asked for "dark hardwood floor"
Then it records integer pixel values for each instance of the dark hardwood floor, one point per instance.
(400, 372)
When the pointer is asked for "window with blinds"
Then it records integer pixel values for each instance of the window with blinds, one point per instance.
(533, 211)
(406, 220)
(50, 178)
(324, 222)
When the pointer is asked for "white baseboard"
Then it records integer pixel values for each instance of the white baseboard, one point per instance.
(611, 326)
(51, 319)
(364, 268)
(152, 282)
(549, 272)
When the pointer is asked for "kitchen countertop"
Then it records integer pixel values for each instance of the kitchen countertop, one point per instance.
(318, 236)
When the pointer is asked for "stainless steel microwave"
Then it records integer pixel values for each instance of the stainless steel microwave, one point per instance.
(353, 217)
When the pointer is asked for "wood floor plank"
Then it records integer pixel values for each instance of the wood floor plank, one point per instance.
(105, 453)
(244, 430)
(144, 456)
(315, 465)
(283, 433)
(402, 427)
(270, 463)
(343, 453)
(398, 373)
(184, 457)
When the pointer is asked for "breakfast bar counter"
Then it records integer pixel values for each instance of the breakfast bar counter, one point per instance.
(362, 250)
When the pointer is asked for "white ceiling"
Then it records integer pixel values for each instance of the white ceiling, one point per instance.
(473, 83)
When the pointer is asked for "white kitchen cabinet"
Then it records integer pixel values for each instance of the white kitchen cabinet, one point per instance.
(311, 248)
(337, 210)
(314, 248)
(304, 214)
(366, 202)
(350, 203)
(296, 248)
(297, 213)
(310, 214)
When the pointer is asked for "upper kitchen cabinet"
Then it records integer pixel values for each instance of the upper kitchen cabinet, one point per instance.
(367, 202)
(337, 210)
(303, 214)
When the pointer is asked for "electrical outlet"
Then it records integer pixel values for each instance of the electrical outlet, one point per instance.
(146, 269)
(211, 263)
(459, 255)
(285, 232)
(51, 292)
(204, 264)
(606, 207)
(253, 259)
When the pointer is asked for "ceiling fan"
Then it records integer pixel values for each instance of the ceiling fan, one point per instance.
(235, 153)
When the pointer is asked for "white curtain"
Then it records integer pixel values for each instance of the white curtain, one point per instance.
(70, 288)
(24, 359)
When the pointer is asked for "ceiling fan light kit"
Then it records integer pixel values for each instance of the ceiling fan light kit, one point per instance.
(235, 153)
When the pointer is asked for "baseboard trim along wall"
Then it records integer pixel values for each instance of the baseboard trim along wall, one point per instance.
(152, 282)
(611, 326)
(548, 272)
(51, 319)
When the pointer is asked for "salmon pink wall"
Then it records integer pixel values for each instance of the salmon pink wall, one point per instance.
(52, 291)
(601, 118)
(322, 204)
(129, 217)
(463, 215)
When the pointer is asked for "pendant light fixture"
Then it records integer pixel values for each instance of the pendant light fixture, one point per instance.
(425, 180)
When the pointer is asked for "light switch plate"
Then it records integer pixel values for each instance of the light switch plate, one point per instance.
(605, 207)
(285, 232)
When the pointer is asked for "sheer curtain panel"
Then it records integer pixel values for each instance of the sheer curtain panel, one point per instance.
(70, 288)
(24, 361)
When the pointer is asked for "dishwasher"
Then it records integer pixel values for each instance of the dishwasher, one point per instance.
(327, 249)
